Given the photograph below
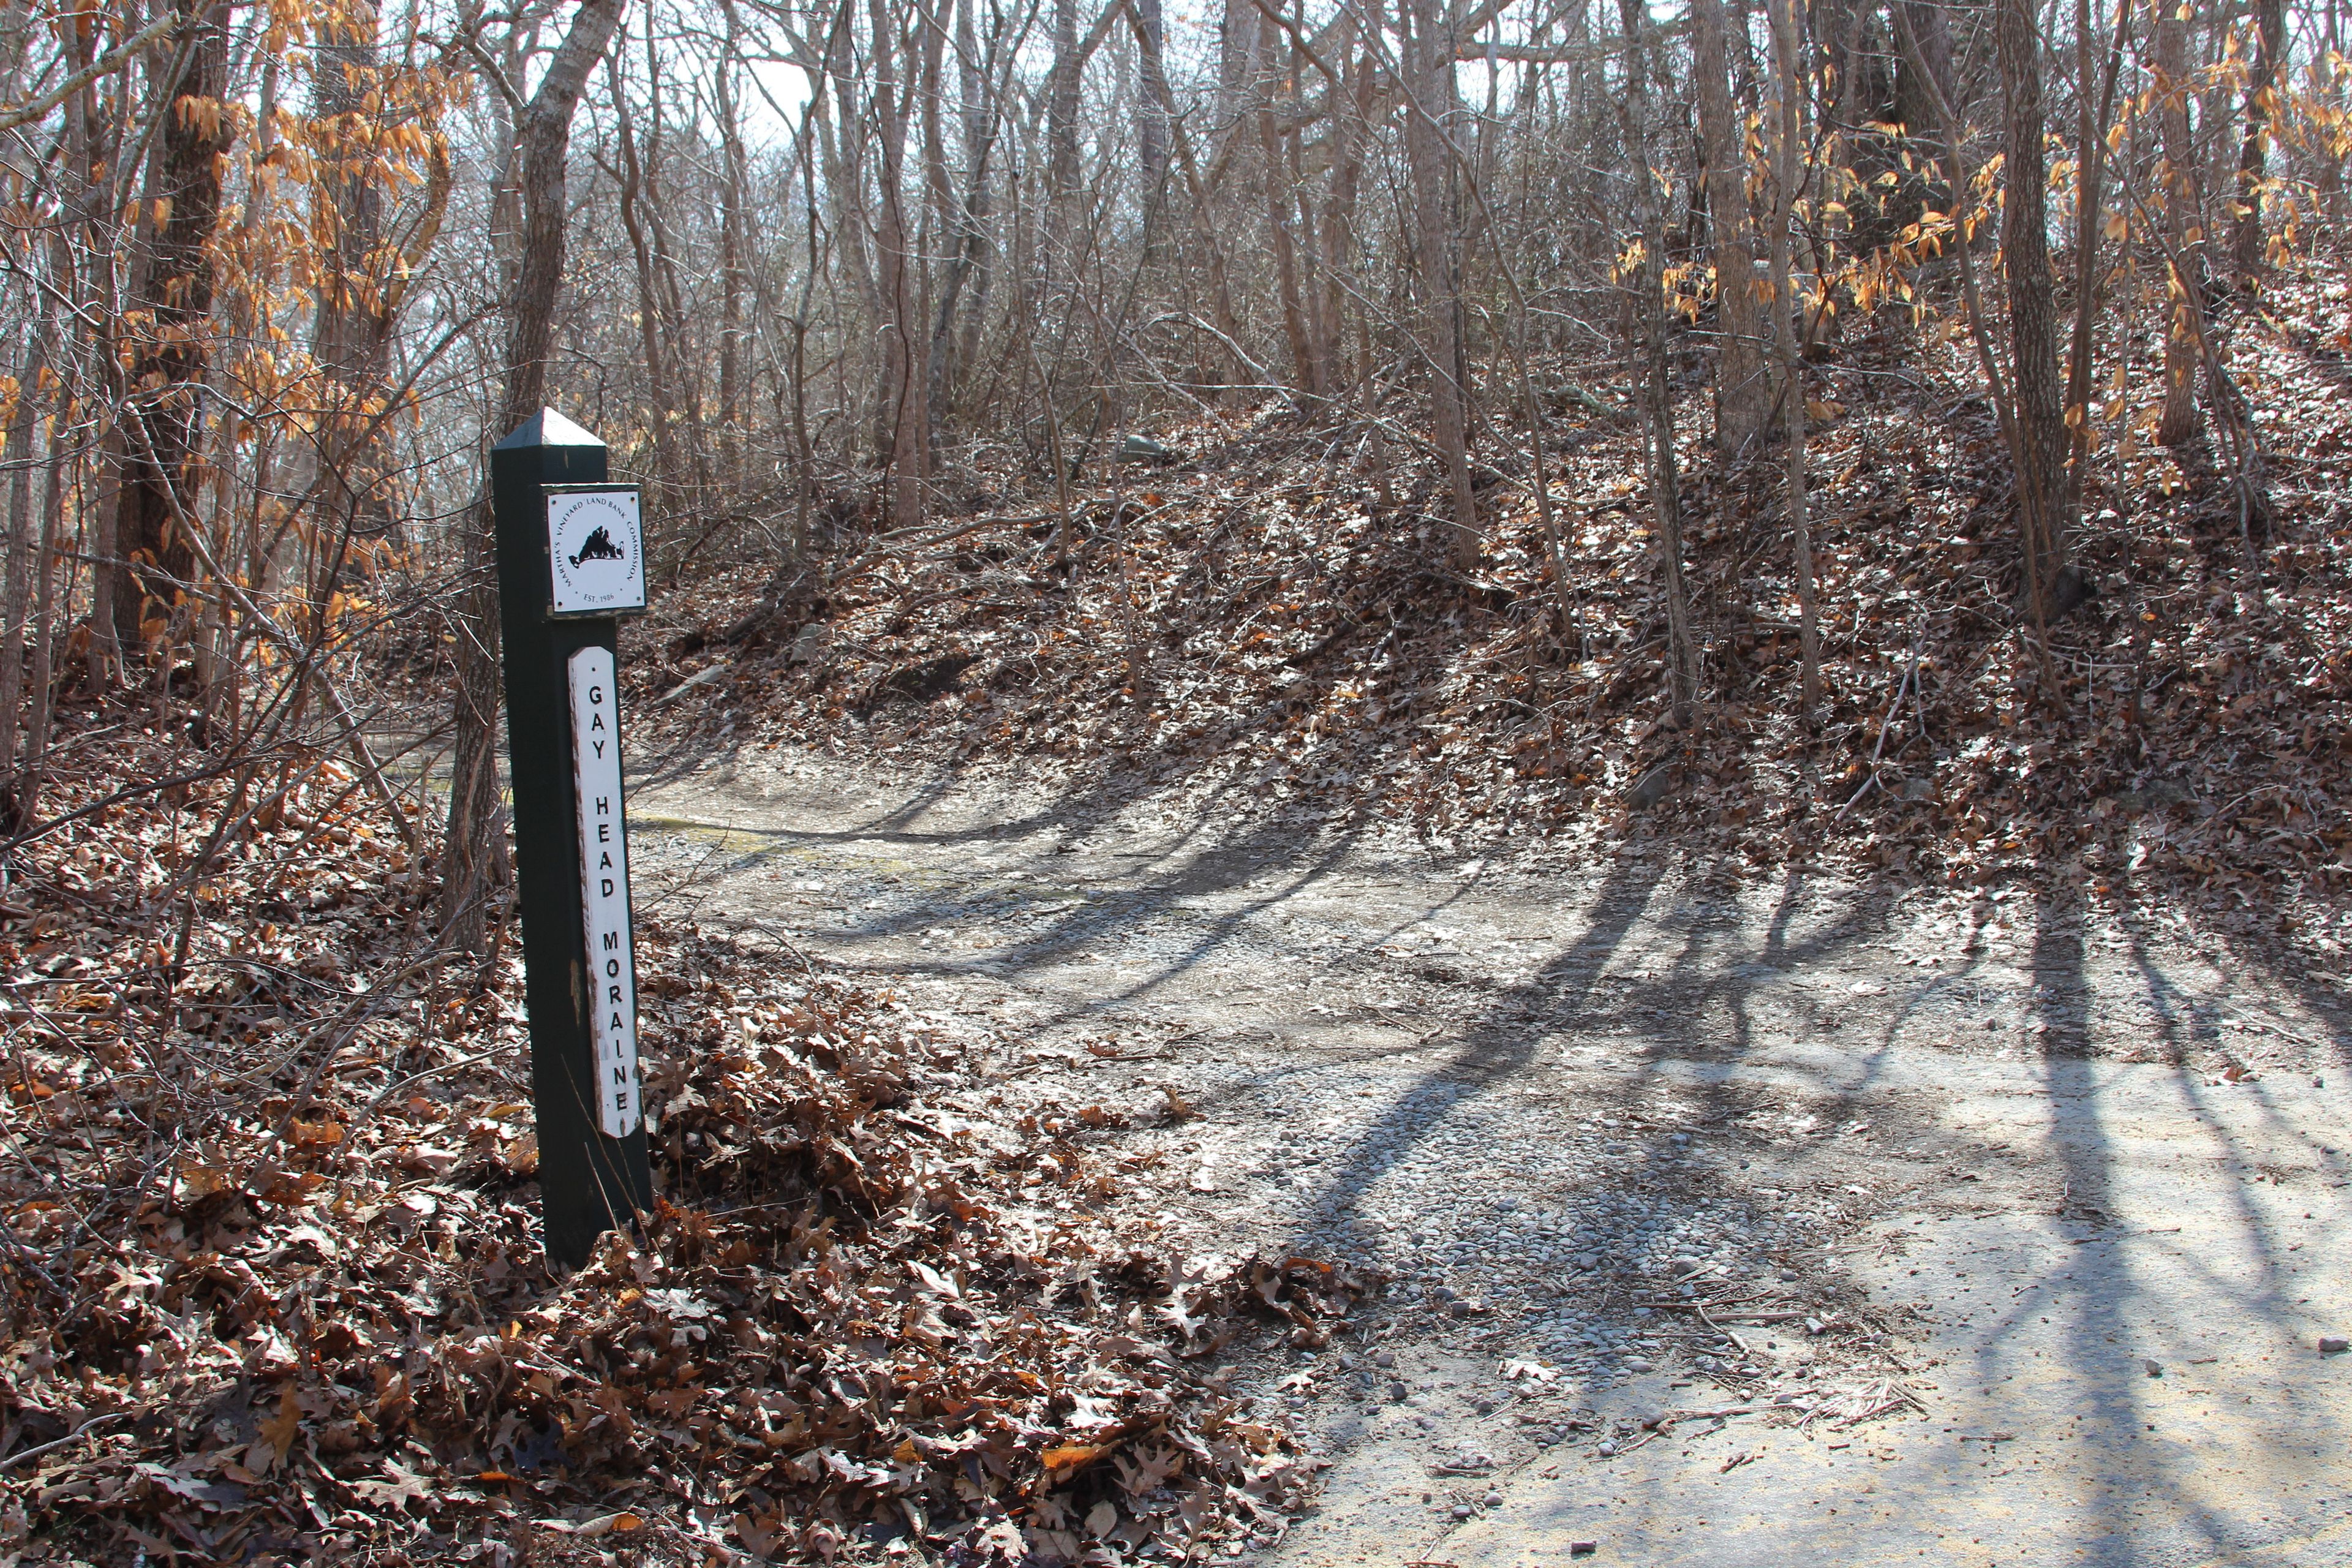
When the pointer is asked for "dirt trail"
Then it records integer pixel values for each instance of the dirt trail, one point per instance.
(1733, 1222)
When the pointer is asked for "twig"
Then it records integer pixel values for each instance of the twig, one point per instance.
(1725, 1332)
(351, 1134)
(1759, 1317)
(105, 65)
(76, 1436)
(1908, 683)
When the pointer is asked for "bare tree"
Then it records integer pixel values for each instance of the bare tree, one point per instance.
(543, 140)
(905, 408)
(1428, 63)
(1651, 380)
(1281, 194)
(1787, 321)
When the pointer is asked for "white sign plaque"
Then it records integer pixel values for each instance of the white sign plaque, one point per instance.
(596, 547)
(604, 890)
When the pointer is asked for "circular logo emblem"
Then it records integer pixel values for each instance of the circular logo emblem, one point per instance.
(597, 549)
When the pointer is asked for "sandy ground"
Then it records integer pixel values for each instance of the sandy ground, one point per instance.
(1733, 1219)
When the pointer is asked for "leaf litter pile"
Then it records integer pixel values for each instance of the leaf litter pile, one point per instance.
(273, 1283)
(1271, 619)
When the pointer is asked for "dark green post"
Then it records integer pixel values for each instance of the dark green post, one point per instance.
(562, 582)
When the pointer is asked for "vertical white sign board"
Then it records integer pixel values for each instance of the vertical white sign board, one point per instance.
(604, 890)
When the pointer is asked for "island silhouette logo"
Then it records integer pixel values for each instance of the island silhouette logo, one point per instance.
(599, 546)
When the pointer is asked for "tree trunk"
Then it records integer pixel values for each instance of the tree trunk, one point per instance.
(1221, 297)
(967, 214)
(85, 261)
(170, 354)
(1650, 368)
(26, 801)
(688, 400)
(351, 330)
(1743, 387)
(1429, 65)
(1278, 194)
(941, 219)
(1158, 107)
(1919, 82)
(1062, 103)
(2246, 243)
(543, 138)
(652, 319)
(2184, 219)
(16, 585)
(905, 415)
(984, 94)
(733, 248)
(1788, 314)
(2032, 314)
(1309, 249)
(2091, 119)
(1236, 25)
(1349, 111)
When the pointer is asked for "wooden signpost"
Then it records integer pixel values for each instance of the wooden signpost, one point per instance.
(571, 563)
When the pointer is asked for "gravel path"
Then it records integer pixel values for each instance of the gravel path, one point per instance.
(1732, 1220)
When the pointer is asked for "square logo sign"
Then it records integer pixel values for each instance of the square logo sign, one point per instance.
(596, 547)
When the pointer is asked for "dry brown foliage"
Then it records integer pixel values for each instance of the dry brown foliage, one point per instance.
(272, 1284)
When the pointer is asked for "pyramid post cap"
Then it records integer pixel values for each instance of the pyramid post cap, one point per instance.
(546, 428)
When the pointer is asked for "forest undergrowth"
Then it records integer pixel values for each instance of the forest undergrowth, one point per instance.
(1267, 608)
